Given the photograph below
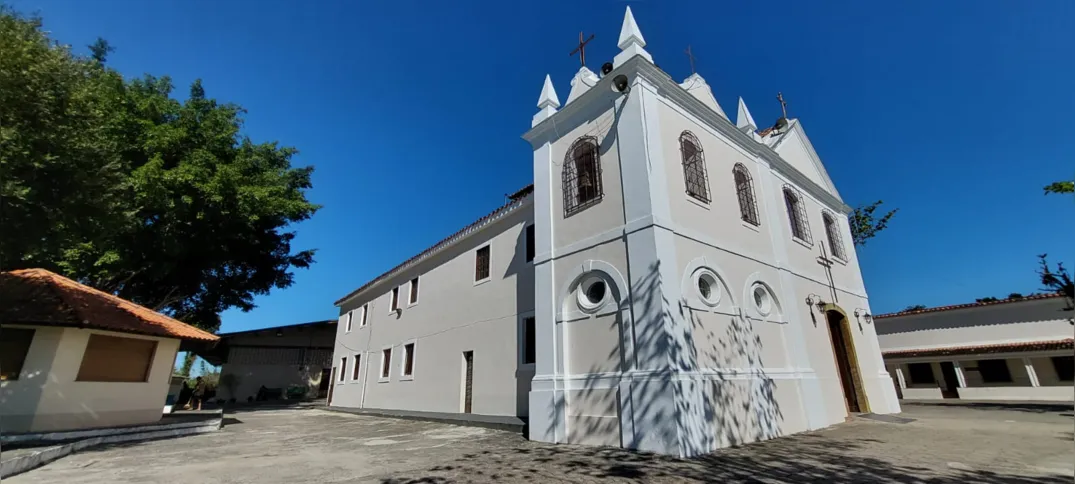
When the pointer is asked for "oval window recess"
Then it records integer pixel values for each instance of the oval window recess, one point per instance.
(708, 287)
(592, 294)
(763, 301)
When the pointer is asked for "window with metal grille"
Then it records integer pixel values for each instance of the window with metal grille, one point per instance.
(921, 373)
(800, 228)
(530, 243)
(832, 231)
(582, 175)
(694, 174)
(994, 371)
(14, 345)
(529, 345)
(744, 189)
(1065, 367)
(481, 264)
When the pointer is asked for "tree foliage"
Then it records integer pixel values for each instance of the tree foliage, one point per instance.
(1060, 187)
(1057, 280)
(115, 183)
(865, 224)
(986, 300)
(916, 307)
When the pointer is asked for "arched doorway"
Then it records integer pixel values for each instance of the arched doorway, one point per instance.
(843, 351)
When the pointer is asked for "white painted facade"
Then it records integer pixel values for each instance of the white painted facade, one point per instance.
(47, 396)
(653, 364)
(938, 354)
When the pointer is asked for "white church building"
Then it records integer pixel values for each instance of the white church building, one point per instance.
(673, 281)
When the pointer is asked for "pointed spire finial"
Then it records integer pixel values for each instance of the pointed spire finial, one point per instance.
(743, 119)
(548, 95)
(631, 42)
(629, 32)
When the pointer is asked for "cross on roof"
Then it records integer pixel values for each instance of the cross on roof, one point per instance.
(783, 103)
(690, 56)
(581, 49)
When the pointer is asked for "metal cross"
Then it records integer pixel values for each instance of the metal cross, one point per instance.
(581, 49)
(783, 104)
(826, 262)
(691, 57)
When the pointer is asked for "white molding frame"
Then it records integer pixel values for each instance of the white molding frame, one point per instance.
(776, 311)
(413, 288)
(365, 316)
(691, 272)
(381, 377)
(356, 360)
(350, 321)
(403, 360)
(341, 376)
(475, 266)
(520, 359)
(616, 287)
(393, 294)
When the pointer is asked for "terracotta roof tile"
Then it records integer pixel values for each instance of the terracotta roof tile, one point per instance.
(1060, 344)
(37, 296)
(514, 201)
(969, 305)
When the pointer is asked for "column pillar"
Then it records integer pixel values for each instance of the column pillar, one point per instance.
(1031, 373)
(960, 378)
(899, 377)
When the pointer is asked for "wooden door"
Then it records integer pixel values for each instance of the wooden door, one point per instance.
(331, 379)
(325, 383)
(468, 380)
(840, 350)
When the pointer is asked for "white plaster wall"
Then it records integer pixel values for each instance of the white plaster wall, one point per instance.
(452, 315)
(793, 149)
(46, 396)
(973, 326)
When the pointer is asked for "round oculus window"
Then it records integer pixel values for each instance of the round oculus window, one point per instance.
(762, 300)
(592, 293)
(709, 288)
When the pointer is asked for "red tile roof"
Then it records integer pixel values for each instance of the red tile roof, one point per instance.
(1060, 344)
(37, 296)
(969, 305)
(514, 201)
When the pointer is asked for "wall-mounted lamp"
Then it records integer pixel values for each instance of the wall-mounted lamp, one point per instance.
(861, 313)
(815, 300)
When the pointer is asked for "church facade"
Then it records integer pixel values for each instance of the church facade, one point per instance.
(672, 282)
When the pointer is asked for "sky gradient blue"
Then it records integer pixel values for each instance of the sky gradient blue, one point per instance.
(955, 112)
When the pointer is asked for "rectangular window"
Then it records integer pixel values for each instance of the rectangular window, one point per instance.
(355, 372)
(343, 370)
(395, 298)
(350, 315)
(921, 373)
(414, 291)
(14, 345)
(529, 347)
(408, 359)
(994, 371)
(481, 264)
(530, 243)
(386, 363)
(365, 313)
(116, 359)
(1065, 367)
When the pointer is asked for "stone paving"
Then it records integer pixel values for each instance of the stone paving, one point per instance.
(944, 445)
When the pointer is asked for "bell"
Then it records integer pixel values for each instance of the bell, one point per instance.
(584, 181)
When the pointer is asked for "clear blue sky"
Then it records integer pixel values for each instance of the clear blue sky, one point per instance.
(957, 112)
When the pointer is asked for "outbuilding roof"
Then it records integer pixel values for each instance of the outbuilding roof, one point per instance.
(41, 297)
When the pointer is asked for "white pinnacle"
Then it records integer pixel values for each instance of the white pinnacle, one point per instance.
(629, 32)
(548, 95)
(743, 118)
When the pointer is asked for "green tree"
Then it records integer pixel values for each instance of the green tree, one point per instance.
(1057, 281)
(116, 184)
(1060, 187)
(865, 224)
(916, 307)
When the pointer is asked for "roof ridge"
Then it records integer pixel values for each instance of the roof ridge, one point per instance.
(1032, 297)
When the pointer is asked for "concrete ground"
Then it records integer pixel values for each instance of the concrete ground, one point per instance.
(944, 445)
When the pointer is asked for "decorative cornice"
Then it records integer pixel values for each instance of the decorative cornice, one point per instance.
(671, 90)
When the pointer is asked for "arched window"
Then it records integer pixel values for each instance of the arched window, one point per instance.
(800, 228)
(832, 231)
(744, 188)
(582, 175)
(694, 166)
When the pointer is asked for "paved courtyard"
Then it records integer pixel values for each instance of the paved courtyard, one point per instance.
(944, 445)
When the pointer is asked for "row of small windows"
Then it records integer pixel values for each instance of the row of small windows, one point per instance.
(482, 272)
(582, 187)
(406, 368)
